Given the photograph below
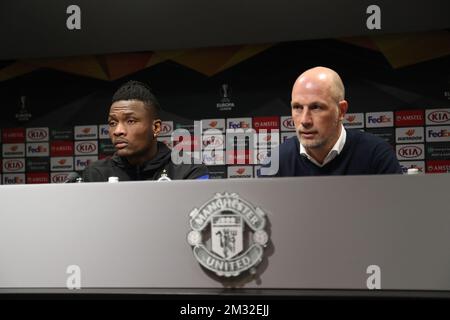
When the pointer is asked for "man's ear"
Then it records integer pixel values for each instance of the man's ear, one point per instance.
(343, 106)
(156, 127)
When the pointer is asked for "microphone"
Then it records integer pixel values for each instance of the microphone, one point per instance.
(73, 177)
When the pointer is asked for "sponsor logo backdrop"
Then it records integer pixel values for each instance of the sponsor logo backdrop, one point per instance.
(426, 147)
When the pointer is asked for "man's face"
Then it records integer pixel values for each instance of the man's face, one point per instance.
(316, 115)
(132, 128)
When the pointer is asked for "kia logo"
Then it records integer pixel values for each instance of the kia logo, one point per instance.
(439, 116)
(213, 141)
(86, 147)
(13, 165)
(37, 134)
(262, 155)
(410, 152)
(59, 178)
(165, 128)
(288, 123)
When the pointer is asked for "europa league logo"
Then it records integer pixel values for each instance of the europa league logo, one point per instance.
(225, 92)
(23, 114)
(225, 103)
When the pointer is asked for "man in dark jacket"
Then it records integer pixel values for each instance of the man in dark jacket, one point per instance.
(134, 125)
(322, 145)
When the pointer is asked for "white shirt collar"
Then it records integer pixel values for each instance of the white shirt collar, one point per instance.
(337, 148)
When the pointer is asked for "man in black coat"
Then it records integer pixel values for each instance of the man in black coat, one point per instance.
(134, 125)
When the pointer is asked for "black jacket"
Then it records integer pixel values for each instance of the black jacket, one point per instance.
(116, 166)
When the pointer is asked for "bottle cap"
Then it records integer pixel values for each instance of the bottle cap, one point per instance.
(413, 171)
(113, 179)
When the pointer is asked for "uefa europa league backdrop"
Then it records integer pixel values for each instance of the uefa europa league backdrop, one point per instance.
(54, 110)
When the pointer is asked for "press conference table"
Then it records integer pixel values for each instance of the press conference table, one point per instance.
(324, 233)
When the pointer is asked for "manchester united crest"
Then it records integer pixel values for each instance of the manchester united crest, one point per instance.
(228, 235)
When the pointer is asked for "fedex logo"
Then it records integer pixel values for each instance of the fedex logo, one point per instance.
(420, 165)
(436, 134)
(439, 134)
(37, 149)
(82, 162)
(103, 131)
(14, 178)
(406, 152)
(287, 135)
(379, 119)
(239, 123)
(438, 116)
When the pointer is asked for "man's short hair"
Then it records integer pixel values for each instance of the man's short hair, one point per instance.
(136, 90)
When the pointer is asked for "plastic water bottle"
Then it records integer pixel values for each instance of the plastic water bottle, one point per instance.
(113, 179)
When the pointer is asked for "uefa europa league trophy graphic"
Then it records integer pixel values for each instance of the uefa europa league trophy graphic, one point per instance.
(23, 114)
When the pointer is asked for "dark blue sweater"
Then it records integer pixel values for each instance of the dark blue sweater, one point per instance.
(363, 153)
